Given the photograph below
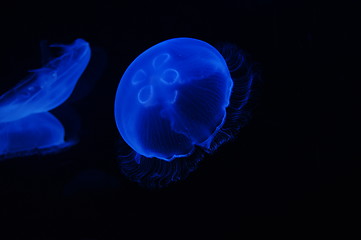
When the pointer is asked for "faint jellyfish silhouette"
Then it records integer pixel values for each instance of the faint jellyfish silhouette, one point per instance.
(26, 126)
(35, 131)
(175, 102)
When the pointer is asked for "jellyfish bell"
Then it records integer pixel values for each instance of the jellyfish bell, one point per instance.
(172, 98)
(35, 132)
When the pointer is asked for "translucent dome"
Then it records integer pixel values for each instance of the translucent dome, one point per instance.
(172, 98)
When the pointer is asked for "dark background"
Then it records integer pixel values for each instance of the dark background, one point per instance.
(297, 159)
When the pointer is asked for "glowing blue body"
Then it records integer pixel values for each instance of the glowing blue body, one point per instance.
(48, 87)
(36, 131)
(25, 124)
(172, 98)
(176, 102)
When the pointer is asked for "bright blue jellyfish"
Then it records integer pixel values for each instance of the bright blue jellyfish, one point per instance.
(35, 131)
(25, 124)
(47, 87)
(171, 108)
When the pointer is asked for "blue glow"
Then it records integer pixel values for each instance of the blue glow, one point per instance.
(25, 123)
(36, 131)
(171, 108)
(173, 97)
(47, 87)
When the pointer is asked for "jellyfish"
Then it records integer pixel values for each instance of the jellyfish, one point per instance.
(35, 131)
(25, 123)
(47, 87)
(174, 104)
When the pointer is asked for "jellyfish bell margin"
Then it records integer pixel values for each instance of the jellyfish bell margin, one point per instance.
(174, 104)
(26, 126)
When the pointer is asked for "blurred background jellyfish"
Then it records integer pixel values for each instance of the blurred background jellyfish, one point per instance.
(176, 102)
(26, 126)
